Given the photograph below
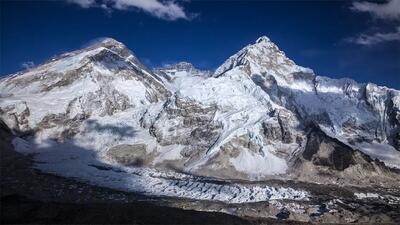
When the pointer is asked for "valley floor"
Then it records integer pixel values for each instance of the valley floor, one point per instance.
(29, 196)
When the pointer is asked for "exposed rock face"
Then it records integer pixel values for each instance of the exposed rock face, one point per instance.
(393, 112)
(248, 120)
(17, 116)
(179, 67)
(323, 150)
(220, 165)
(70, 126)
(130, 155)
(326, 159)
(186, 122)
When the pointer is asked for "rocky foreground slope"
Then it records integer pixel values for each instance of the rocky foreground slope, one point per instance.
(99, 115)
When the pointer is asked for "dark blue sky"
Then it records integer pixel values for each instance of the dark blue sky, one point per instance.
(312, 33)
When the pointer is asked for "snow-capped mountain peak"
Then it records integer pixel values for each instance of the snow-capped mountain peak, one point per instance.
(266, 43)
(121, 50)
(261, 57)
(110, 41)
(263, 39)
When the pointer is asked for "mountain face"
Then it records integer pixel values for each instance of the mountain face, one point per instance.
(258, 117)
(68, 89)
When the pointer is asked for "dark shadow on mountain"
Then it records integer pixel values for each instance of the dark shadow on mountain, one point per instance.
(51, 195)
(121, 130)
(259, 81)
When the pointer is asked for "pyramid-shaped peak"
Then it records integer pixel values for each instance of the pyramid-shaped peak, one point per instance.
(263, 39)
(263, 56)
(116, 47)
(110, 42)
(264, 42)
(106, 42)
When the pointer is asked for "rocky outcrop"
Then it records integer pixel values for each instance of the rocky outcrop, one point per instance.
(326, 159)
(16, 117)
(186, 122)
(220, 165)
(393, 112)
(129, 155)
(323, 150)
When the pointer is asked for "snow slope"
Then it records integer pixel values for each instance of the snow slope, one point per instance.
(100, 115)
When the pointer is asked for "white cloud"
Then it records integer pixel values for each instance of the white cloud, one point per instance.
(166, 9)
(389, 10)
(84, 3)
(27, 65)
(371, 39)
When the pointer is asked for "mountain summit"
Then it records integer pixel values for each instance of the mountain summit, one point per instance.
(263, 56)
(259, 116)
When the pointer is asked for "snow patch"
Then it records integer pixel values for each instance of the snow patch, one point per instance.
(366, 195)
(257, 165)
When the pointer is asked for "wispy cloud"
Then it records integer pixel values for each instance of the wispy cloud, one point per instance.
(389, 10)
(83, 3)
(94, 41)
(166, 10)
(371, 39)
(27, 65)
